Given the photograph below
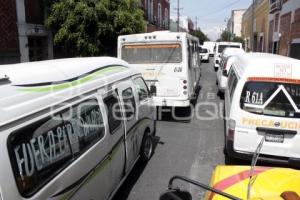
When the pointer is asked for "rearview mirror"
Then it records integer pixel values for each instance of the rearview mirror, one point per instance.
(175, 195)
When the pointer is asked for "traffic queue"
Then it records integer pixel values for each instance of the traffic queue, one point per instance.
(72, 126)
(261, 104)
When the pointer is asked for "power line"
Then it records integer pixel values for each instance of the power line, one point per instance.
(221, 9)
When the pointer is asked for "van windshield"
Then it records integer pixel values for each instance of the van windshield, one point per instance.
(273, 99)
(222, 47)
(152, 53)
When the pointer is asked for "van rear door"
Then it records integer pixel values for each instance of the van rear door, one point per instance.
(273, 109)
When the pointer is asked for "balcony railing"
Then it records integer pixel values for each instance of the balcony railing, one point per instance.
(275, 5)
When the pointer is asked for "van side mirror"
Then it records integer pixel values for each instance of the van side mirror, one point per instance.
(175, 194)
(153, 90)
(225, 73)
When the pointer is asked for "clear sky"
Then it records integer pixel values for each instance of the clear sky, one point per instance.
(211, 13)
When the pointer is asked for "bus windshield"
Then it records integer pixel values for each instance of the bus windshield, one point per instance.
(273, 99)
(222, 47)
(152, 53)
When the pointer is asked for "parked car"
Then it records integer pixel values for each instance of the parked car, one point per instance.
(220, 47)
(263, 99)
(204, 54)
(72, 128)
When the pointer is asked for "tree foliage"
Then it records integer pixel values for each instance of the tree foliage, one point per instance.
(199, 34)
(226, 36)
(91, 27)
(229, 37)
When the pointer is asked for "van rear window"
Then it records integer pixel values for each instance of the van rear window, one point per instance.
(41, 150)
(272, 99)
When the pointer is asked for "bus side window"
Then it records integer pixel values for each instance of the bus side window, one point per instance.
(113, 113)
(142, 88)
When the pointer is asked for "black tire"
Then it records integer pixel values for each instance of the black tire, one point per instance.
(147, 147)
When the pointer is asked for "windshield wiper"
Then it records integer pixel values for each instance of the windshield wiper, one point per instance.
(256, 154)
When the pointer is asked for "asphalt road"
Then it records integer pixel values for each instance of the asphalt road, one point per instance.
(191, 149)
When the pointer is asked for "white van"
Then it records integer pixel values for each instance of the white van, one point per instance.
(71, 128)
(220, 47)
(227, 58)
(168, 61)
(210, 45)
(204, 54)
(222, 74)
(263, 100)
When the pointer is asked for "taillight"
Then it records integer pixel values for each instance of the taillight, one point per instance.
(184, 87)
(231, 129)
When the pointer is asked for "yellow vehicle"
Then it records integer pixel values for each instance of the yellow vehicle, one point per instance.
(270, 183)
(244, 182)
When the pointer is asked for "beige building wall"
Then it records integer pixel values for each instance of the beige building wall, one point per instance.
(260, 26)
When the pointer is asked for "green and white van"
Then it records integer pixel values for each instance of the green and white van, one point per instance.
(72, 128)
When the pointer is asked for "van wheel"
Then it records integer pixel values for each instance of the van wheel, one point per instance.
(147, 147)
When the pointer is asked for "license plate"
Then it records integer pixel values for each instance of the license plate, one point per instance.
(275, 138)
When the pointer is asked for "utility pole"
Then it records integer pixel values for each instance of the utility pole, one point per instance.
(178, 15)
(196, 23)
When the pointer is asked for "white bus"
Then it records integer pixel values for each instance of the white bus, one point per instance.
(71, 128)
(168, 61)
(262, 100)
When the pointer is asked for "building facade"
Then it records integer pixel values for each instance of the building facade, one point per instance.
(156, 14)
(255, 26)
(234, 23)
(24, 36)
(284, 25)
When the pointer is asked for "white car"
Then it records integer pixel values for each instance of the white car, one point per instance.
(204, 54)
